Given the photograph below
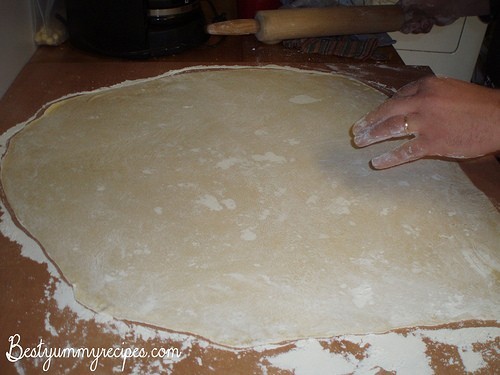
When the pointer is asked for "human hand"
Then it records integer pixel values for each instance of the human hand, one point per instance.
(421, 15)
(442, 116)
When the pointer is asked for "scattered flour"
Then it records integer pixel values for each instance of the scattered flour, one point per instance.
(303, 99)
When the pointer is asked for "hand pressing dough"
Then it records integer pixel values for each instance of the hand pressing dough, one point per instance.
(230, 204)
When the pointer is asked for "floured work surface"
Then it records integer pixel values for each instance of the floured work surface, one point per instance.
(231, 204)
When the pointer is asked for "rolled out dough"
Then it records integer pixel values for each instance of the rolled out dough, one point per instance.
(230, 203)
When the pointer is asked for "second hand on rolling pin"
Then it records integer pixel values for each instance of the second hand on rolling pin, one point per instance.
(273, 26)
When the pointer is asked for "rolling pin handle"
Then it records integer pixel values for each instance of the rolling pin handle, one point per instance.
(234, 27)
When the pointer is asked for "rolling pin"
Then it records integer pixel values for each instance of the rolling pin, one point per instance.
(273, 26)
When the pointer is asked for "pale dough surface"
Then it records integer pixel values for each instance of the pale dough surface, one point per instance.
(231, 204)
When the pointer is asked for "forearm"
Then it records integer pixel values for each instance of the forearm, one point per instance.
(421, 15)
(448, 8)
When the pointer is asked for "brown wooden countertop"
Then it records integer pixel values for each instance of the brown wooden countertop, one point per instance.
(28, 304)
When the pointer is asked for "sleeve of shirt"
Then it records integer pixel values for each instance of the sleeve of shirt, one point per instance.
(494, 12)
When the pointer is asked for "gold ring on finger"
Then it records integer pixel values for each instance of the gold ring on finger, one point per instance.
(406, 126)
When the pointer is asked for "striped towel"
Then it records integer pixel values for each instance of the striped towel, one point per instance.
(360, 46)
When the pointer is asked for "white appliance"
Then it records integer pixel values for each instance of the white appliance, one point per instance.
(449, 50)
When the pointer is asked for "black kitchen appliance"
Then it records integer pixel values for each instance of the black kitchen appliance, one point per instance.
(135, 28)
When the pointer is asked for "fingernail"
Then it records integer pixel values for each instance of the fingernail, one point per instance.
(360, 140)
(359, 126)
(382, 161)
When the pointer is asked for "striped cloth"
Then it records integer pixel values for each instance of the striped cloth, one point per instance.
(345, 46)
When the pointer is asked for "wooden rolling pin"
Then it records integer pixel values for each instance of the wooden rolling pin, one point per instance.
(273, 26)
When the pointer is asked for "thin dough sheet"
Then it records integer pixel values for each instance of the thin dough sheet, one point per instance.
(231, 204)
